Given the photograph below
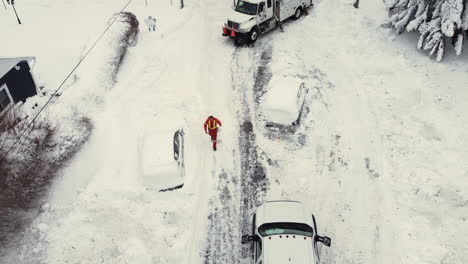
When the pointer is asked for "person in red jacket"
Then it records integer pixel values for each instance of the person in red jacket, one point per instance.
(211, 127)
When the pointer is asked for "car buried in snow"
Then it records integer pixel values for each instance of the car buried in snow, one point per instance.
(285, 232)
(250, 18)
(283, 104)
(163, 167)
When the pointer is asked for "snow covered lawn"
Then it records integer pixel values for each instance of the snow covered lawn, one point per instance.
(383, 168)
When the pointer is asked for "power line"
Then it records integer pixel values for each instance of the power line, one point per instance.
(14, 9)
(64, 81)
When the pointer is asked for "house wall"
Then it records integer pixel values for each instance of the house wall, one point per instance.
(20, 82)
(3, 106)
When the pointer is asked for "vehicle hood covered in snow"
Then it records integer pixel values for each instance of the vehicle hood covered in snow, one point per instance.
(238, 17)
(158, 167)
(283, 211)
(294, 250)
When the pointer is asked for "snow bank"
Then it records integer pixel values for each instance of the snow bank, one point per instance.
(285, 92)
(61, 129)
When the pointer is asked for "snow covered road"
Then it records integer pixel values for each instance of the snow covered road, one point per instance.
(241, 190)
(379, 156)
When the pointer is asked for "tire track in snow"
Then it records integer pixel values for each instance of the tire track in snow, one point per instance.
(254, 182)
(224, 213)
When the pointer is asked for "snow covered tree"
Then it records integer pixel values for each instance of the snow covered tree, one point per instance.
(436, 21)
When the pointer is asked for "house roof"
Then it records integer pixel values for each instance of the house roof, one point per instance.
(6, 64)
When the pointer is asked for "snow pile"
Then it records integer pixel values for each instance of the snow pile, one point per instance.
(281, 103)
(285, 91)
(160, 170)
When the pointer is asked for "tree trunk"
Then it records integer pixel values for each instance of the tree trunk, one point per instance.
(356, 4)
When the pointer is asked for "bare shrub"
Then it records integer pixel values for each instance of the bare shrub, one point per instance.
(10, 120)
(28, 170)
(127, 39)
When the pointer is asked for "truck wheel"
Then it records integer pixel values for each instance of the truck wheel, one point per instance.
(238, 42)
(298, 13)
(253, 35)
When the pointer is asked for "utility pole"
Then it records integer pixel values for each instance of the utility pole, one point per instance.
(13, 5)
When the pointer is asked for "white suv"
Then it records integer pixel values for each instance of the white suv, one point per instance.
(284, 232)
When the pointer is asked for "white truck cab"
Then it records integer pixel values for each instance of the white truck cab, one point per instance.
(285, 232)
(250, 18)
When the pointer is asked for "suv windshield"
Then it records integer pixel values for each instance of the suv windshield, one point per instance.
(246, 8)
(271, 229)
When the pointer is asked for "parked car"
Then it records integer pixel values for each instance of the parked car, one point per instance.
(163, 160)
(283, 104)
(285, 232)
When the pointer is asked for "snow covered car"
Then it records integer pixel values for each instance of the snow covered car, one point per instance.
(285, 232)
(283, 103)
(163, 160)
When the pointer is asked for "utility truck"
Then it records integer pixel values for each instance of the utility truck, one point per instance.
(250, 18)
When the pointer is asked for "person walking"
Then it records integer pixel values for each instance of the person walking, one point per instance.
(211, 127)
(151, 23)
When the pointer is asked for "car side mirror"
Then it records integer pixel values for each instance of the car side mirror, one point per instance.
(246, 238)
(324, 240)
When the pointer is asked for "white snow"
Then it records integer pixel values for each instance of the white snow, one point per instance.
(281, 103)
(6, 64)
(159, 169)
(379, 168)
(383, 166)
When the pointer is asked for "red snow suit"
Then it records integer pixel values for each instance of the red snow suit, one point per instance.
(211, 127)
